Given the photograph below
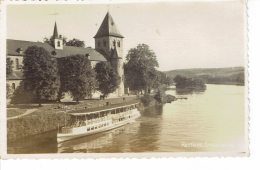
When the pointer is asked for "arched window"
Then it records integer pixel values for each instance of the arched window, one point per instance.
(58, 43)
(13, 86)
(118, 43)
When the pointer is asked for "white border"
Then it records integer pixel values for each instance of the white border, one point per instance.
(94, 155)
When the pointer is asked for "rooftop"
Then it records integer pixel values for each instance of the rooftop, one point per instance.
(17, 47)
(108, 28)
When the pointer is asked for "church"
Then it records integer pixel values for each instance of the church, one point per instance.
(108, 48)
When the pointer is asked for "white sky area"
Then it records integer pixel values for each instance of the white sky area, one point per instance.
(182, 34)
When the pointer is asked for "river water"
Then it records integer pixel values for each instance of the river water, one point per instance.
(211, 121)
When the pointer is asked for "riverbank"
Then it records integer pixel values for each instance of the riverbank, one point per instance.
(50, 116)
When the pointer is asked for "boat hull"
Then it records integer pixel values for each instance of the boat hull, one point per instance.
(70, 136)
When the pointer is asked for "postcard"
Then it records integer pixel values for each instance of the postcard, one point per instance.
(124, 79)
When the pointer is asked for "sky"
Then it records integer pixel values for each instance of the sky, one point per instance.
(182, 34)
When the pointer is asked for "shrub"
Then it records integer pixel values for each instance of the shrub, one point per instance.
(147, 99)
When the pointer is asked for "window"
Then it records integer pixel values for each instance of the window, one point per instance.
(104, 43)
(13, 86)
(17, 63)
(58, 43)
(118, 43)
(87, 55)
(114, 43)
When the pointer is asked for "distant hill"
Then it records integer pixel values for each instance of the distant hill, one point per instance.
(230, 75)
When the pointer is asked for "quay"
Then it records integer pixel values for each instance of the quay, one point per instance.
(49, 116)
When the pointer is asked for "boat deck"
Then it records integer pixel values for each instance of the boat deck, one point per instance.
(104, 107)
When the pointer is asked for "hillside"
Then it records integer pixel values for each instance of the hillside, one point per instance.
(231, 75)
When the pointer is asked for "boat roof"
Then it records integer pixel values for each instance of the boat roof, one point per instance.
(102, 109)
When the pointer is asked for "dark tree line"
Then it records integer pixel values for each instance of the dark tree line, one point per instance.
(108, 79)
(76, 77)
(47, 78)
(182, 82)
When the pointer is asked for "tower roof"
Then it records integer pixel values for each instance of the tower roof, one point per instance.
(55, 31)
(108, 28)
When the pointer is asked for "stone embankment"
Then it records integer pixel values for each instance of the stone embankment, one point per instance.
(51, 116)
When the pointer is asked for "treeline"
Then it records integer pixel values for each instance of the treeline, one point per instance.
(231, 75)
(235, 79)
(182, 82)
(48, 79)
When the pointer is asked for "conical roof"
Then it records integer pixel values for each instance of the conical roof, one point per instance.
(108, 28)
(55, 31)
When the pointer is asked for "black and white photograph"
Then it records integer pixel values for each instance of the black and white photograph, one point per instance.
(157, 77)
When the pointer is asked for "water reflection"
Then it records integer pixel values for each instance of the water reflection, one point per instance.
(139, 136)
(42, 143)
(100, 142)
(189, 91)
(148, 134)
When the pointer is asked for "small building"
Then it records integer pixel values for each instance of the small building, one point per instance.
(108, 48)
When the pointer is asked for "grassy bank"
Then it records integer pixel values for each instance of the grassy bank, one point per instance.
(49, 116)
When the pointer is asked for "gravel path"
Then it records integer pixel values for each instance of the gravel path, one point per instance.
(29, 111)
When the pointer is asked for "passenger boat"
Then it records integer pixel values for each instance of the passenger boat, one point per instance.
(87, 123)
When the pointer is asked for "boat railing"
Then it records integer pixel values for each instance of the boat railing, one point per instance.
(82, 123)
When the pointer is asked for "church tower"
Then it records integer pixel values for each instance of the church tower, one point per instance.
(109, 42)
(57, 40)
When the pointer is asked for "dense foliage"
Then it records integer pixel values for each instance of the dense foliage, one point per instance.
(40, 74)
(230, 75)
(140, 68)
(9, 66)
(76, 76)
(182, 82)
(73, 42)
(50, 40)
(107, 78)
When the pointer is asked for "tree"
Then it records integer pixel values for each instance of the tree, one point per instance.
(107, 77)
(50, 40)
(77, 76)
(9, 66)
(140, 69)
(182, 82)
(8, 90)
(75, 42)
(40, 74)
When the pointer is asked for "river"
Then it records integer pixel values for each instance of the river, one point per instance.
(211, 121)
